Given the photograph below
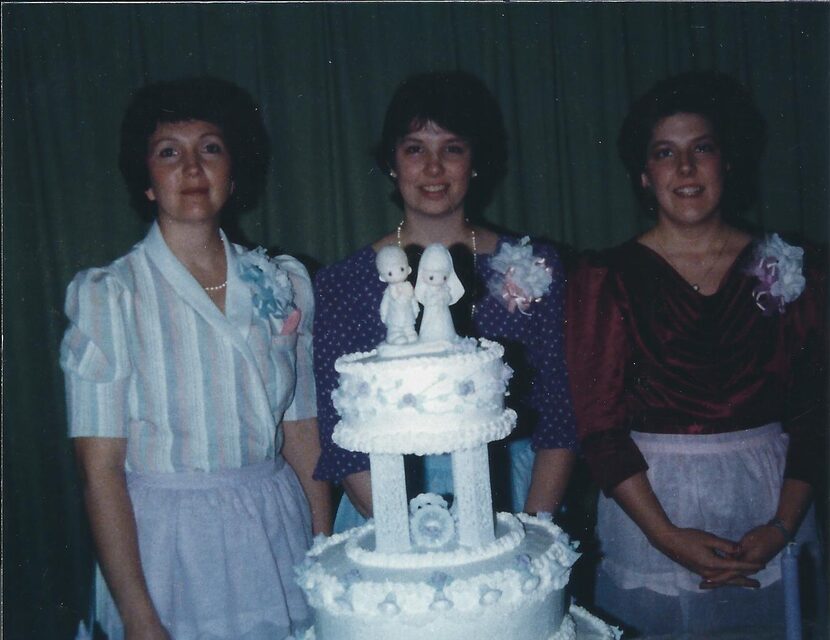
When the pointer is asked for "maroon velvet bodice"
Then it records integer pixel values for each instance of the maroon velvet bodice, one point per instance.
(647, 352)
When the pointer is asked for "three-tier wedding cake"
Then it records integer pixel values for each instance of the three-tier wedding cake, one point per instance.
(425, 569)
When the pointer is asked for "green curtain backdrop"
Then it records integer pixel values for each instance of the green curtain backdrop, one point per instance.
(563, 73)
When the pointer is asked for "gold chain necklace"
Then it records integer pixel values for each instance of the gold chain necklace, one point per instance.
(715, 260)
(472, 242)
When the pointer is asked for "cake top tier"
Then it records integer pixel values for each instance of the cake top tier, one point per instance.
(423, 404)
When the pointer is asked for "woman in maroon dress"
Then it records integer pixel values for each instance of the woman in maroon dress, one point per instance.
(697, 355)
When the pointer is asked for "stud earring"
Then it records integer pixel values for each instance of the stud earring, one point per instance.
(393, 175)
(475, 173)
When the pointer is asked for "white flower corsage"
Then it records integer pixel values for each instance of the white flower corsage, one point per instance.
(521, 278)
(273, 295)
(778, 267)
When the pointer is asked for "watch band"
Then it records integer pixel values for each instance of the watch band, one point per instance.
(779, 524)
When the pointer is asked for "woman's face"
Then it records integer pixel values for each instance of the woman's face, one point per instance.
(190, 171)
(684, 169)
(433, 169)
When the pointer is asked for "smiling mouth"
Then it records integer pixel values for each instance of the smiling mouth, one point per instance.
(435, 188)
(194, 192)
(689, 192)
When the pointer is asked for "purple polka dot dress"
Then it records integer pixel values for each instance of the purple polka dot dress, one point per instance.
(347, 320)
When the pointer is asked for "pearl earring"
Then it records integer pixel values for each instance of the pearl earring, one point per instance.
(393, 175)
(475, 173)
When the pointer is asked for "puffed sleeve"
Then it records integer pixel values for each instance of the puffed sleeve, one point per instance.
(806, 408)
(550, 395)
(597, 353)
(94, 356)
(304, 404)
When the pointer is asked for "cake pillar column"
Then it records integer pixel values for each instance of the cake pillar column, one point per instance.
(389, 503)
(473, 499)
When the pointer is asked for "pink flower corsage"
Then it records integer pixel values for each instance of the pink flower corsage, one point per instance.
(521, 278)
(778, 267)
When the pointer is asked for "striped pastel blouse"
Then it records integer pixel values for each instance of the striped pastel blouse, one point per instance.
(150, 358)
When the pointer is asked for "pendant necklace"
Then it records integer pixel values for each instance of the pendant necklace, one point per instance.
(695, 285)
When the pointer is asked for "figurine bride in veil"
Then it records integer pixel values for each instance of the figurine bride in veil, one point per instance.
(436, 289)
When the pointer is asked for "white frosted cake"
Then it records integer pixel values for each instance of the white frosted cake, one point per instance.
(511, 588)
(425, 403)
(422, 569)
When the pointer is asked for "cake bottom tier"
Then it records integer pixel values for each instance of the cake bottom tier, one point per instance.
(511, 588)
(577, 624)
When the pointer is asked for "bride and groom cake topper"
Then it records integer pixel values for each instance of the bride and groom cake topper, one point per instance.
(436, 288)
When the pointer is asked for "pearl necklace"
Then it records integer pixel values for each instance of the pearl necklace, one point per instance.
(472, 238)
(472, 242)
(695, 286)
(217, 287)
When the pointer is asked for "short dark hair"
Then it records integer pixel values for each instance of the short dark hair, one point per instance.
(737, 124)
(205, 98)
(458, 102)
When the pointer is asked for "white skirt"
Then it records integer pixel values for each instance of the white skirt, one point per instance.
(725, 484)
(218, 552)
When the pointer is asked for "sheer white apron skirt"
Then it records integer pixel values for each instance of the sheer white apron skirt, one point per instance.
(725, 484)
(218, 551)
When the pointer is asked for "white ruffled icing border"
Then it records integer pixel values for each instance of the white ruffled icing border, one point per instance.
(463, 555)
(598, 628)
(567, 629)
(405, 439)
(353, 595)
(561, 555)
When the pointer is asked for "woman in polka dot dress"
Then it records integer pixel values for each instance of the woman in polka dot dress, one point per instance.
(443, 147)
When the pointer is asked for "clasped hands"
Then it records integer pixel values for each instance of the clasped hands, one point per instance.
(718, 561)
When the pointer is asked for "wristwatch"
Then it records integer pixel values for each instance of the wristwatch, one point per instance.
(779, 524)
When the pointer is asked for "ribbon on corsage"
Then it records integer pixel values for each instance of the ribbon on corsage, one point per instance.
(521, 278)
(778, 267)
(272, 293)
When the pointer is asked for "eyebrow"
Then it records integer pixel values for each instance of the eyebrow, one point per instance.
(415, 138)
(705, 136)
(209, 134)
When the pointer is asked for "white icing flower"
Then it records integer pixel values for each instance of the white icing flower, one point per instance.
(489, 596)
(408, 400)
(466, 387)
(506, 375)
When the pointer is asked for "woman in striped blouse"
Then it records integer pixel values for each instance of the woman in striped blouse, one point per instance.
(190, 391)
